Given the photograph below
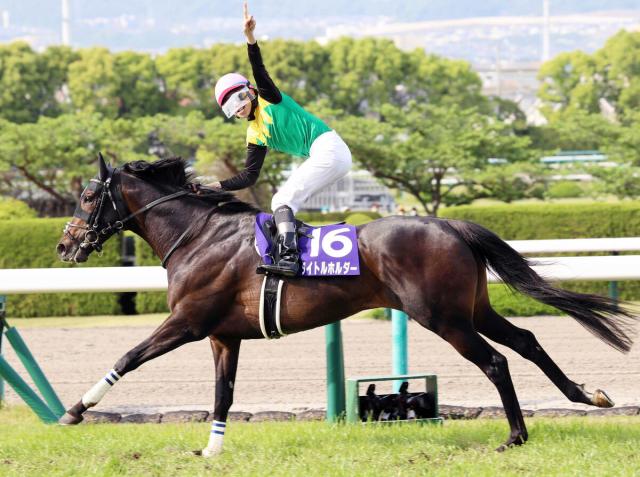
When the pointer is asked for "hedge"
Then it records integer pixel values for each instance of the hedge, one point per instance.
(564, 190)
(554, 221)
(31, 243)
(12, 209)
(547, 221)
(149, 302)
(332, 217)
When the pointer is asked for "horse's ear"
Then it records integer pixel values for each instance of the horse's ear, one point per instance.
(104, 169)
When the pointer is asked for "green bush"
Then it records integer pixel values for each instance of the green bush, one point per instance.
(564, 190)
(548, 221)
(554, 221)
(11, 209)
(31, 243)
(149, 302)
(358, 218)
(311, 217)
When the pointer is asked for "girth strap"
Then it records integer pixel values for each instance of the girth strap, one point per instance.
(270, 303)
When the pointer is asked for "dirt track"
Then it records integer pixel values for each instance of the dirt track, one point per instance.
(289, 374)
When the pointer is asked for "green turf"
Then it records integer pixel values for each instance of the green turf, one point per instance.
(570, 446)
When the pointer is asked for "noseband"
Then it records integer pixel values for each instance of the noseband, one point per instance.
(93, 231)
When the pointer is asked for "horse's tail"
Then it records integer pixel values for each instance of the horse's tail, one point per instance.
(602, 316)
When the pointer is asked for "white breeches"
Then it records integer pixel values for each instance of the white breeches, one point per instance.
(329, 160)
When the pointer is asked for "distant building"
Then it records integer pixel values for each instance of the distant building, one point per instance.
(517, 82)
(358, 190)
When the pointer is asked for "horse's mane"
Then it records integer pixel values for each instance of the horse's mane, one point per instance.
(172, 172)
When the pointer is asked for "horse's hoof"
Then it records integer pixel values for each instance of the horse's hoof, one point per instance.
(210, 452)
(502, 448)
(512, 442)
(70, 420)
(601, 399)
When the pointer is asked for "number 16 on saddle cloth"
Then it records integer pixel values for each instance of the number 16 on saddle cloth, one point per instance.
(327, 251)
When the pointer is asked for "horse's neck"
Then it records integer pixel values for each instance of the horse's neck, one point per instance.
(161, 225)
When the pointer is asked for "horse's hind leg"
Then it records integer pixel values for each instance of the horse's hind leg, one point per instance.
(497, 328)
(173, 333)
(473, 347)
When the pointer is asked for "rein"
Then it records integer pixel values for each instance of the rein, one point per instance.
(92, 227)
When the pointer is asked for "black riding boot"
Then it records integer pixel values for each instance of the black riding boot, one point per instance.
(288, 259)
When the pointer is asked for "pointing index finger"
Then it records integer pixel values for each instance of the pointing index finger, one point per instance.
(245, 9)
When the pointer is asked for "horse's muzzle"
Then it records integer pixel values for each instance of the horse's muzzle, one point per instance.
(71, 253)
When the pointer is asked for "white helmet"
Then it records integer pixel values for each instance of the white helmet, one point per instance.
(232, 104)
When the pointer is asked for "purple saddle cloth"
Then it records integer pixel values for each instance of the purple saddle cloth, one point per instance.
(327, 251)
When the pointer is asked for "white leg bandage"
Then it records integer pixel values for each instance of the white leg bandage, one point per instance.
(97, 392)
(216, 438)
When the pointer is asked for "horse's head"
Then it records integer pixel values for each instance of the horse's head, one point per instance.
(95, 219)
(116, 196)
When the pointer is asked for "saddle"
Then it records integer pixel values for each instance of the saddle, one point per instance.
(326, 251)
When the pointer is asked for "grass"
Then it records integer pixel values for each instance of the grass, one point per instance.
(570, 446)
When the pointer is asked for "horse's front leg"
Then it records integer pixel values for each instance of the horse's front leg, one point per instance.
(225, 355)
(171, 334)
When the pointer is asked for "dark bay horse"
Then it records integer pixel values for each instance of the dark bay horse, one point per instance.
(432, 269)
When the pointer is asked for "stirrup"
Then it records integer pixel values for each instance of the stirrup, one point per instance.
(278, 269)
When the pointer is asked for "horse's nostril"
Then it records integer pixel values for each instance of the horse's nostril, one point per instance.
(61, 249)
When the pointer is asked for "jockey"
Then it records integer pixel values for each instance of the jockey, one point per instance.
(276, 121)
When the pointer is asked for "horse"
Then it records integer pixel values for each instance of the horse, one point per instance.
(433, 269)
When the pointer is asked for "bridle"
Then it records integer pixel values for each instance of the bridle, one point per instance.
(93, 230)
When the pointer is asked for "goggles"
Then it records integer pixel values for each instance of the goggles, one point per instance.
(237, 100)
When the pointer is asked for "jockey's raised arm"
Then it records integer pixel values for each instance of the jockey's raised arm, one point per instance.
(266, 87)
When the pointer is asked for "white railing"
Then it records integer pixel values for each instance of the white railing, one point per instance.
(628, 244)
(125, 279)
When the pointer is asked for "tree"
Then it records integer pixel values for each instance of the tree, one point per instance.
(622, 181)
(569, 81)
(576, 130)
(118, 85)
(618, 64)
(94, 83)
(54, 156)
(579, 81)
(509, 182)
(26, 87)
(55, 72)
(625, 146)
(369, 73)
(187, 80)
(139, 92)
(431, 152)
(172, 136)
